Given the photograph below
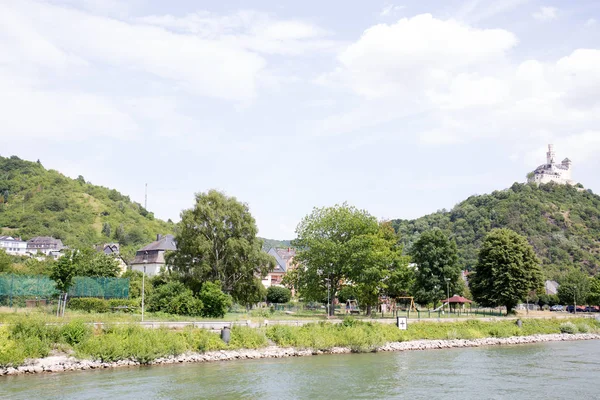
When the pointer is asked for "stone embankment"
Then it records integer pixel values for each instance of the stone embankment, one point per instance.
(66, 363)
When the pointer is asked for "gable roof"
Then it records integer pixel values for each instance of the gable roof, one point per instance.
(281, 264)
(166, 242)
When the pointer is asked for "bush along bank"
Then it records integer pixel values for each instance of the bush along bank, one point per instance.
(30, 345)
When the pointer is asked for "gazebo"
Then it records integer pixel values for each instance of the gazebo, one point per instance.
(456, 299)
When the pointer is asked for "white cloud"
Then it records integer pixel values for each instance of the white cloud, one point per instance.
(417, 54)
(458, 84)
(476, 10)
(251, 30)
(390, 10)
(546, 14)
(590, 22)
(66, 68)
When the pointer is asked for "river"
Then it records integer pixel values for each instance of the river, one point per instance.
(558, 370)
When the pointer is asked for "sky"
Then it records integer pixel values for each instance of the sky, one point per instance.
(400, 108)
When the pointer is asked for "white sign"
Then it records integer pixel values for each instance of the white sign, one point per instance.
(402, 323)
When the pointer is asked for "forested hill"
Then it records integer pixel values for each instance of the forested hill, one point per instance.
(561, 222)
(270, 243)
(35, 201)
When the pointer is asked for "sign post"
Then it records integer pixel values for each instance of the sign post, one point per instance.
(402, 323)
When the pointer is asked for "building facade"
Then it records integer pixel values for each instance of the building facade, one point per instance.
(552, 171)
(284, 262)
(151, 258)
(113, 250)
(45, 245)
(13, 246)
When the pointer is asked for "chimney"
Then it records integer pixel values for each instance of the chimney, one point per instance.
(158, 237)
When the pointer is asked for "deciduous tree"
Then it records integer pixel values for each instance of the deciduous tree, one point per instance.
(338, 245)
(507, 270)
(436, 259)
(278, 294)
(574, 287)
(63, 272)
(216, 241)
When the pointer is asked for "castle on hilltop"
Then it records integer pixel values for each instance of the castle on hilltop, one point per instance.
(552, 171)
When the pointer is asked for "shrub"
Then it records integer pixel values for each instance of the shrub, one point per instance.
(278, 294)
(11, 355)
(75, 332)
(568, 327)
(583, 328)
(203, 340)
(243, 337)
(32, 337)
(89, 304)
(128, 305)
(174, 298)
(133, 342)
(261, 313)
(282, 335)
(32, 327)
(215, 302)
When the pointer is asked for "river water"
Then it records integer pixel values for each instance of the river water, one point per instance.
(560, 370)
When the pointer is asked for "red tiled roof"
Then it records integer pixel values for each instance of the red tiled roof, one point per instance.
(457, 299)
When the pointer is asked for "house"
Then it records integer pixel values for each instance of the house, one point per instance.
(551, 287)
(284, 263)
(46, 245)
(13, 246)
(151, 258)
(114, 250)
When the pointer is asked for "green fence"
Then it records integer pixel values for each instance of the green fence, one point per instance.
(15, 290)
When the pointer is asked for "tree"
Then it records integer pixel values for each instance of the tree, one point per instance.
(250, 293)
(5, 261)
(383, 270)
(106, 229)
(594, 296)
(506, 271)
(337, 244)
(215, 302)
(436, 258)
(174, 298)
(278, 294)
(217, 241)
(574, 287)
(63, 272)
(135, 284)
(120, 235)
(88, 262)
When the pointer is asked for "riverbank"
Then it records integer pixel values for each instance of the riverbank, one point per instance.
(32, 345)
(62, 363)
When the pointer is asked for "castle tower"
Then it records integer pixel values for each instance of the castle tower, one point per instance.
(550, 155)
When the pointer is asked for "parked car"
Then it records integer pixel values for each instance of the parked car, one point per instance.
(579, 309)
(557, 307)
(592, 309)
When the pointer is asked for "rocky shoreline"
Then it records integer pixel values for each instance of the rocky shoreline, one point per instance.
(64, 363)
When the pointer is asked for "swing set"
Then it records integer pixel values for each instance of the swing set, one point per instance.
(412, 306)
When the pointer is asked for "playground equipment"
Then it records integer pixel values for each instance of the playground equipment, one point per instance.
(352, 307)
(412, 306)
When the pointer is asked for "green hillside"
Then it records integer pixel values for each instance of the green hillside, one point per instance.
(561, 222)
(35, 201)
(270, 243)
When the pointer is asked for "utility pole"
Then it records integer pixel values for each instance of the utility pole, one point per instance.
(146, 197)
(448, 291)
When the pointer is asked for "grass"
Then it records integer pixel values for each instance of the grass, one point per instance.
(10, 315)
(32, 336)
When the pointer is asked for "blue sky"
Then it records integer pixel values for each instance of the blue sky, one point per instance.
(398, 108)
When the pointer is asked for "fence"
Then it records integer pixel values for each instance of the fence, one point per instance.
(16, 290)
